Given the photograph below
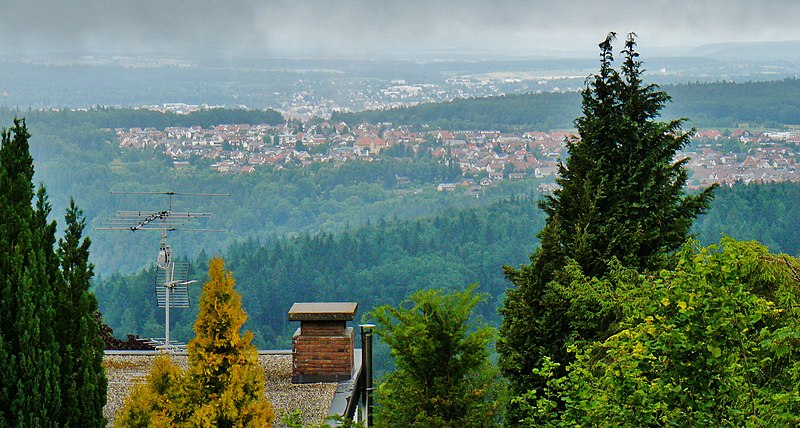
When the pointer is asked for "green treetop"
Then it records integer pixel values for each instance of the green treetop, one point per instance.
(29, 354)
(621, 197)
(622, 191)
(712, 342)
(443, 376)
(83, 384)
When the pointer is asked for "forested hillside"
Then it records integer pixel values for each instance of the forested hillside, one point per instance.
(764, 213)
(527, 111)
(383, 262)
(380, 263)
(722, 104)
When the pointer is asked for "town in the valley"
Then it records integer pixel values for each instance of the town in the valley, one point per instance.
(485, 157)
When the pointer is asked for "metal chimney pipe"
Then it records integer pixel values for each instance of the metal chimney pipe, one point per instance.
(366, 360)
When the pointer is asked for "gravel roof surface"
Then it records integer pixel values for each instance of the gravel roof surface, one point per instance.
(313, 400)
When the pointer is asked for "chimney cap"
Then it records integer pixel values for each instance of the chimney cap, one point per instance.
(323, 311)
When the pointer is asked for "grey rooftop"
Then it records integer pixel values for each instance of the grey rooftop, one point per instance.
(315, 401)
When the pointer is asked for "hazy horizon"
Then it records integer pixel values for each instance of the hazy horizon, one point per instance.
(389, 29)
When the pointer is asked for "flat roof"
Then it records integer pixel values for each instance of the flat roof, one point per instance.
(316, 401)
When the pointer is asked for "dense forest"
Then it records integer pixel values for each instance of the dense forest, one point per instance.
(383, 262)
(721, 104)
(764, 213)
(379, 263)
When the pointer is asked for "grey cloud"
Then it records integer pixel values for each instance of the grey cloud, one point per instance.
(362, 27)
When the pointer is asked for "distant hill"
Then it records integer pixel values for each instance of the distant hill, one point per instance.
(531, 111)
(788, 50)
(721, 104)
(108, 117)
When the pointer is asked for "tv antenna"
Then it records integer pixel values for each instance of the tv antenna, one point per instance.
(172, 277)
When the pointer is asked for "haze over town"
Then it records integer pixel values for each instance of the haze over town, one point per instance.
(392, 29)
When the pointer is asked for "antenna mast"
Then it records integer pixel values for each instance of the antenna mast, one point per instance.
(172, 281)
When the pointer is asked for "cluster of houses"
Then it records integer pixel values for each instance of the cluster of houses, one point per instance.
(242, 148)
(743, 156)
(488, 156)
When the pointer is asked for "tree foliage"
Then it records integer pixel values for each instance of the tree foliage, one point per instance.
(29, 360)
(621, 197)
(224, 380)
(223, 386)
(150, 403)
(712, 342)
(83, 381)
(50, 355)
(443, 376)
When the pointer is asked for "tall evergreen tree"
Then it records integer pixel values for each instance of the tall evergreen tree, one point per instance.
(51, 370)
(29, 354)
(621, 196)
(83, 381)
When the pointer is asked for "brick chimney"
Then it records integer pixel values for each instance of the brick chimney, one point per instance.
(322, 348)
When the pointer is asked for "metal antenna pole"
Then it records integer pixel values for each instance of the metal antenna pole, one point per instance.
(166, 322)
(167, 281)
(165, 263)
(175, 275)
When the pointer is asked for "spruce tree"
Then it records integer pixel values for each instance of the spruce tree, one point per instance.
(29, 354)
(83, 381)
(223, 386)
(621, 197)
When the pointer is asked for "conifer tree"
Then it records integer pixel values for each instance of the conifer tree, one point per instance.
(223, 386)
(83, 381)
(29, 354)
(443, 376)
(149, 403)
(621, 197)
(224, 381)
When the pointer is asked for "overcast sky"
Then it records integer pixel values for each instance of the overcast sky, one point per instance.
(367, 28)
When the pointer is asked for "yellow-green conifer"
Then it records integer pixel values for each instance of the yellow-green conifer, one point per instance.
(223, 374)
(148, 404)
(223, 386)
